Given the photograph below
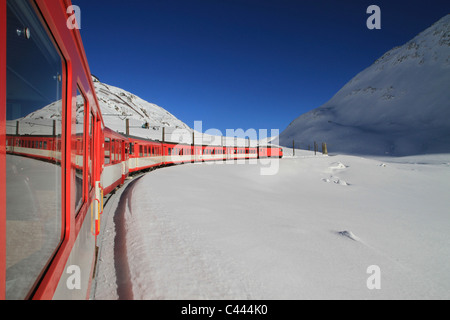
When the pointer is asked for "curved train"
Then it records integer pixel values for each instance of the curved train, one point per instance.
(57, 158)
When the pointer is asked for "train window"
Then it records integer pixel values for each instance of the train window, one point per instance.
(116, 151)
(107, 151)
(131, 148)
(112, 150)
(90, 141)
(141, 151)
(33, 187)
(78, 109)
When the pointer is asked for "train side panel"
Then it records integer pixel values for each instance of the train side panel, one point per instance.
(52, 218)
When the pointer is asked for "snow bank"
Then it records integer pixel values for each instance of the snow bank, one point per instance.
(222, 231)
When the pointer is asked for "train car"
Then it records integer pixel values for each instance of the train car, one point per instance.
(269, 152)
(49, 210)
(178, 153)
(115, 164)
(144, 154)
(34, 146)
(274, 152)
(213, 153)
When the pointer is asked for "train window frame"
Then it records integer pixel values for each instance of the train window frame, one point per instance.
(90, 146)
(81, 146)
(44, 48)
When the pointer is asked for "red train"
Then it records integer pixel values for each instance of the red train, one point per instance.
(56, 166)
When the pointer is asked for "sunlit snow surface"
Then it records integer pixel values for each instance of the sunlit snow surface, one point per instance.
(224, 231)
(400, 105)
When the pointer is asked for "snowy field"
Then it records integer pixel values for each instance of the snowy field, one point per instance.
(311, 231)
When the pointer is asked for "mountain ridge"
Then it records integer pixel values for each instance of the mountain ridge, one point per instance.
(400, 105)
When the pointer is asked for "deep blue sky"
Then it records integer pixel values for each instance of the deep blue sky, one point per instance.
(242, 63)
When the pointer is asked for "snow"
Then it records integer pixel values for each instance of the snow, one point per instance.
(117, 105)
(224, 231)
(321, 226)
(400, 105)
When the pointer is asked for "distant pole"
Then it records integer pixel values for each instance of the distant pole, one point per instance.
(163, 133)
(324, 148)
(193, 138)
(17, 128)
(315, 148)
(293, 147)
(54, 128)
(127, 126)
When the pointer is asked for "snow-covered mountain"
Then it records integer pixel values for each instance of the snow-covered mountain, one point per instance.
(145, 119)
(400, 105)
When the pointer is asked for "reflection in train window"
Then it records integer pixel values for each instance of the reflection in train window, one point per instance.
(33, 186)
(90, 141)
(78, 150)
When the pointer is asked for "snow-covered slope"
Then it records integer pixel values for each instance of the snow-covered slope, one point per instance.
(146, 119)
(400, 105)
(117, 105)
(224, 231)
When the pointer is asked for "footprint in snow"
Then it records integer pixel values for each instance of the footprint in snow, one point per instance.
(336, 181)
(348, 234)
